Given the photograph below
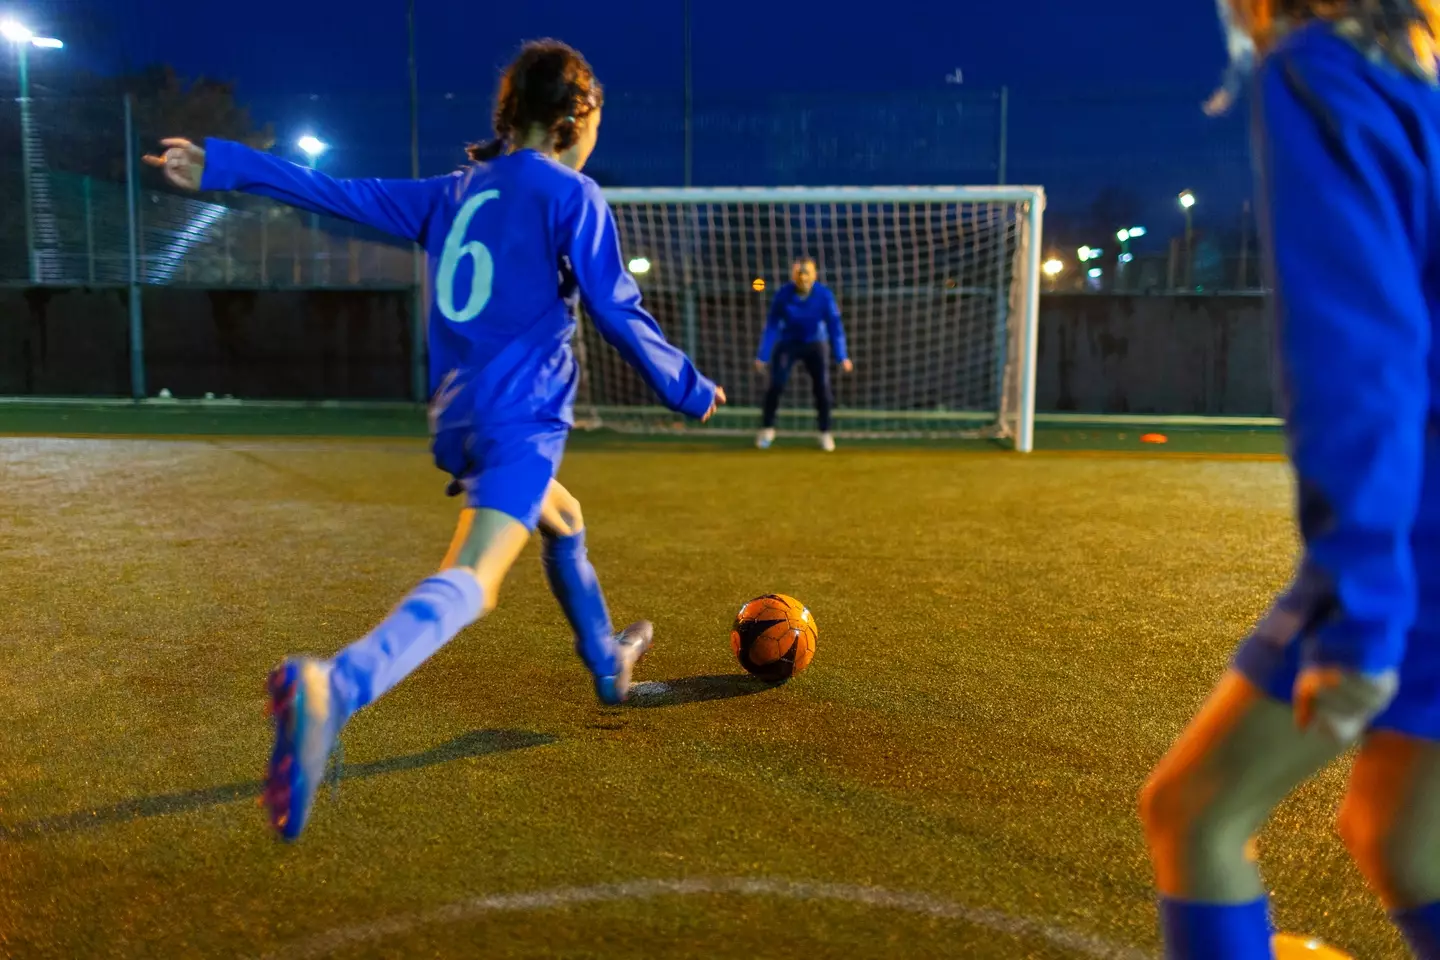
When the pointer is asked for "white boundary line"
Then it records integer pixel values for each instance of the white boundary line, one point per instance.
(994, 921)
(1095, 419)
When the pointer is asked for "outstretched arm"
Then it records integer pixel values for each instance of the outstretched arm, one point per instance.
(612, 299)
(402, 208)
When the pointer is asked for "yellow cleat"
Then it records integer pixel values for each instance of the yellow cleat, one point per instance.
(1289, 946)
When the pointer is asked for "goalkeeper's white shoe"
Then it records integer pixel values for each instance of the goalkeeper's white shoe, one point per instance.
(827, 442)
(765, 438)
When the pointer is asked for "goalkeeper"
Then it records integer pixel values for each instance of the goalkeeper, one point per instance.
(804, 320)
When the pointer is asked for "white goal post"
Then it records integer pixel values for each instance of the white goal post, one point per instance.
(939, 288)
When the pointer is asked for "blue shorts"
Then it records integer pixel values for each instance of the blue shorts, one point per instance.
(1272, 656)
(507, 468)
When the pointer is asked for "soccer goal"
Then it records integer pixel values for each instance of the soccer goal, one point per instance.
(938, 287)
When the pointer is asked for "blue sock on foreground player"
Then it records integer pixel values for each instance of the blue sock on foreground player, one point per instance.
(574, 583)
(312, 699)
(1205, 931)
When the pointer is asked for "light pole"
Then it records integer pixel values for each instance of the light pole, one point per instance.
(24, 38)
(313, 147)
(1187, 203)
(1125, 235)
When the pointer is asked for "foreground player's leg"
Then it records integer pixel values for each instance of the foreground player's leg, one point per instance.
(780, 364)
(1390, 821)
(1239, 757)
(610, 659)
(312, 699)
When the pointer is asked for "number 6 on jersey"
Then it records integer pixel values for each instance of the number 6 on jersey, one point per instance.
(455, 250)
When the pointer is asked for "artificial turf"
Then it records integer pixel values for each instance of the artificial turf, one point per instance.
(1006, 644)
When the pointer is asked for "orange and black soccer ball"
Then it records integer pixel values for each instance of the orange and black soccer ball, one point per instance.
(774, 637)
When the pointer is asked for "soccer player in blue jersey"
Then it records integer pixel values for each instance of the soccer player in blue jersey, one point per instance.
(1347, 143)
(804, 319)
(515, 240)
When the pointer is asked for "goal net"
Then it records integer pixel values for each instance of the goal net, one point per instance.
(938, 288)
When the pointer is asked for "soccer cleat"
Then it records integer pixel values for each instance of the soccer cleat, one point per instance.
(634, 642)
(765, 438)
(307, 726)
(827, 442)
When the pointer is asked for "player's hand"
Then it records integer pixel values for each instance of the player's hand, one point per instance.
(847, 366)
(760, 366)
(182, 161)
(715, 404)
(1340, 703)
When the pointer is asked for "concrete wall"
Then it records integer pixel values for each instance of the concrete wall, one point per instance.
(1165, 355)
(1098, 354)
(255, 344)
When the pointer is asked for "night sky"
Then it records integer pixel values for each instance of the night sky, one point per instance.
(1101, 95)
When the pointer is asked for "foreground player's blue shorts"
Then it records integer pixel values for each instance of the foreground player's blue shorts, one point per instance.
(500, 431)
(507, 469)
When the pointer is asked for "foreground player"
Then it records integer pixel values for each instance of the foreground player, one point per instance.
(498, 233)
(803, 317)
(1348, 157)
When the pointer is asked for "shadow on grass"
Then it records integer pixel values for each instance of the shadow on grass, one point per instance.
(478, 743)
(670, 693)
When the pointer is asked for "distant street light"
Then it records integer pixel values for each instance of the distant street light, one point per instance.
(639, 265)
(1053, 267)
(24, 38)
(312, 147)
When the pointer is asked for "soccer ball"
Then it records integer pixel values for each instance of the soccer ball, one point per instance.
(774, 637)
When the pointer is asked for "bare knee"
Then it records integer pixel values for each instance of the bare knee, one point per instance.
(1400, 868)
(1200, 842)
(1163, 807)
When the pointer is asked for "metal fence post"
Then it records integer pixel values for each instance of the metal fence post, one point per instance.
(1004, 159)
(132, 189)
(89, 229)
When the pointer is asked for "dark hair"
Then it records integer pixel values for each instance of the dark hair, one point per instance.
(550, 86)
(1406, 30)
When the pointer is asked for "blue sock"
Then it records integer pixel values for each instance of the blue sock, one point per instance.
(573, 581)
(1208, 931)
(1421, 926)
(425, 621)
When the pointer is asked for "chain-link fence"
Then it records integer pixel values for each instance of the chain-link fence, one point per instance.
(77, 208)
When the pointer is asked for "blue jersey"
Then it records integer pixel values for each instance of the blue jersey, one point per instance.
(1348, 157)
(810, 319)
(512, 245)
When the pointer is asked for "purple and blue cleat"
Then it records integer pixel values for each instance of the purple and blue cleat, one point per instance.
(307, 725)
(633, 642)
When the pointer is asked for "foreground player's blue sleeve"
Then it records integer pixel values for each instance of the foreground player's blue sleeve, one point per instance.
(612, 299)
(773, 324)
(402, 208)
(838, 348)
(1345, 192)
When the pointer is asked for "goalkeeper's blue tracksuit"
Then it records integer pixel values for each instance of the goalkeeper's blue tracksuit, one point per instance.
(1348, 155)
